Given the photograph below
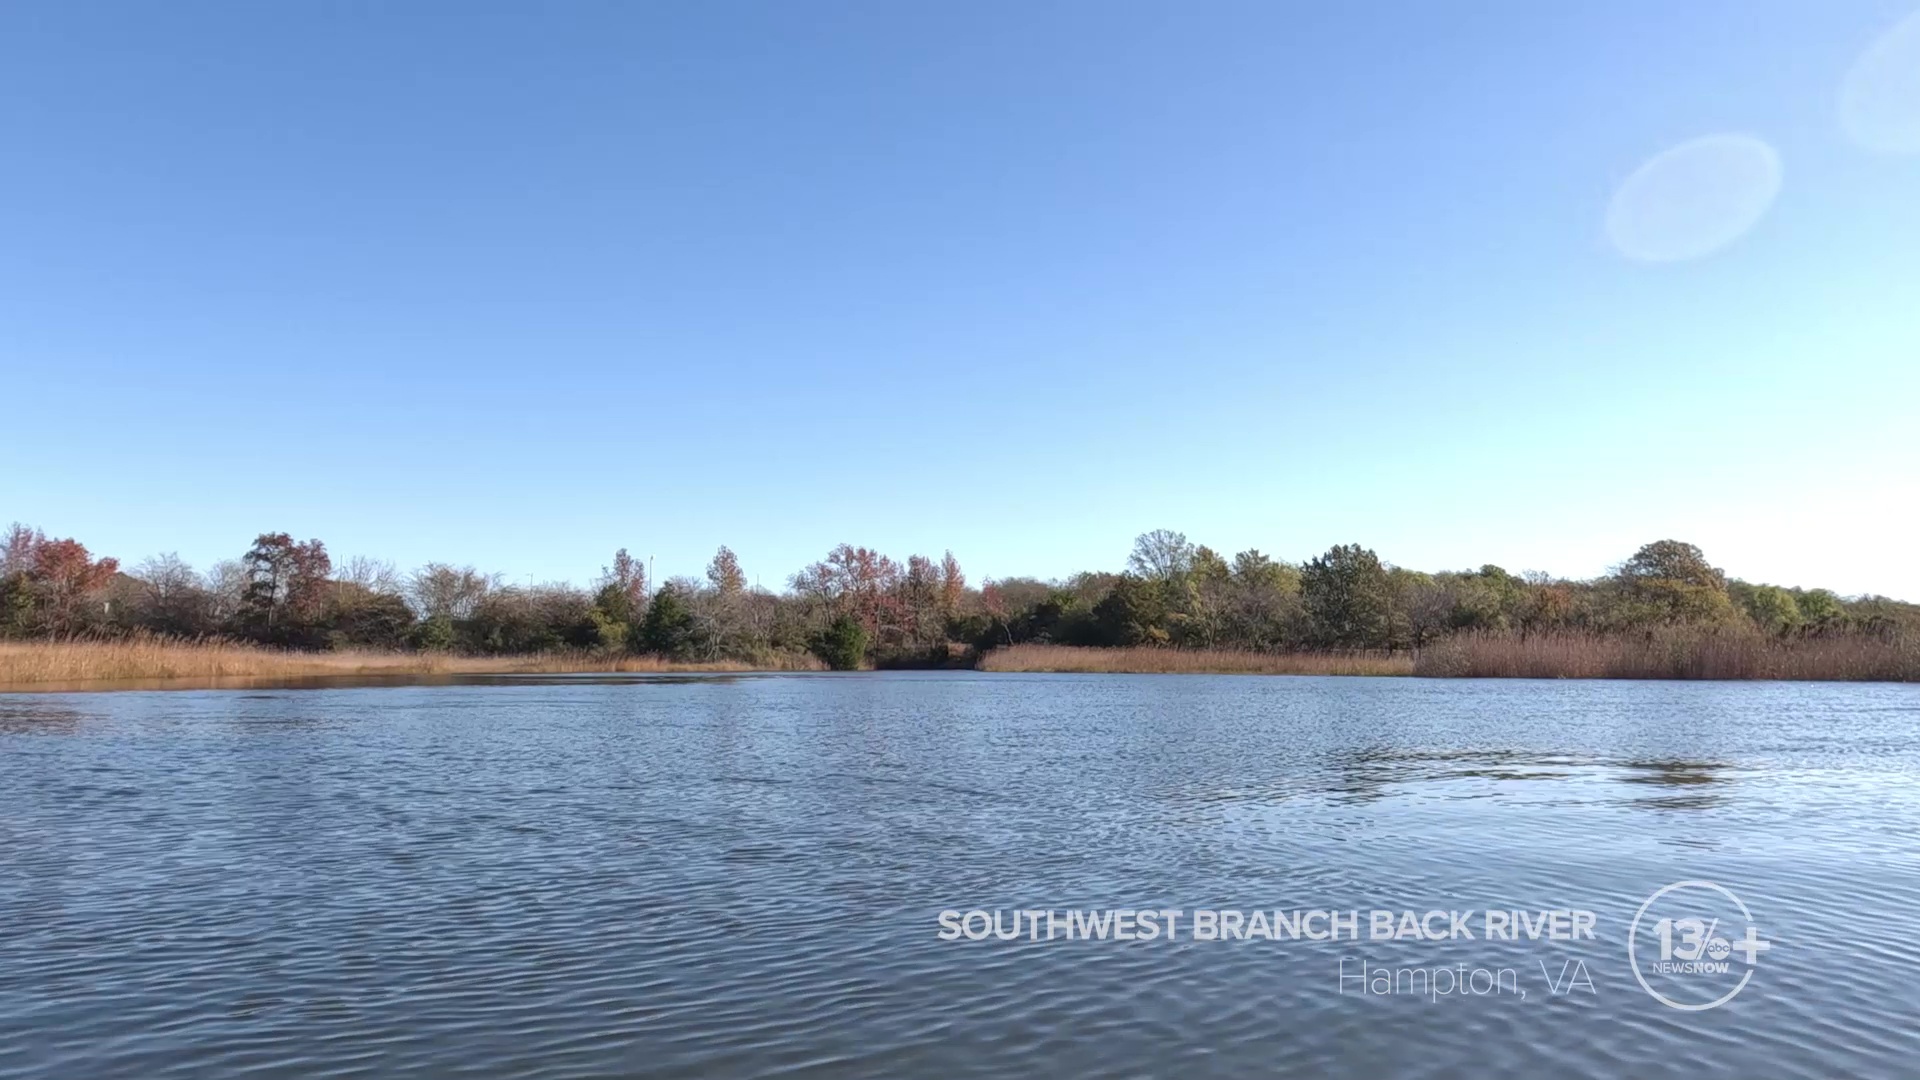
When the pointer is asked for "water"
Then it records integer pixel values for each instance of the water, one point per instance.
(742, 876)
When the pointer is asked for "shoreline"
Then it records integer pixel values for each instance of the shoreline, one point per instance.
(109, 666)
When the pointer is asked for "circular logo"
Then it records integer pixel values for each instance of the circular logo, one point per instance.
(1693, 946)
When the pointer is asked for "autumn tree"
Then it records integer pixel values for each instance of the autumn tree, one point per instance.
(953, 586)
(993, 603)
(857, 582)
(286, 586)
(919, 591)
(724, 573)
(55, 582)
(620, 594)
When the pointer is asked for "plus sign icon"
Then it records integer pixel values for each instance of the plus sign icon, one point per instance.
(1694, 945)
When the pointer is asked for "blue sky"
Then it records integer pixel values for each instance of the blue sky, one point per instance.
(515, 285)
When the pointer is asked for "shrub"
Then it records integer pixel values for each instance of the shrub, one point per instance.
(842, 646)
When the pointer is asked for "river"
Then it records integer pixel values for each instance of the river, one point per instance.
(747, 876)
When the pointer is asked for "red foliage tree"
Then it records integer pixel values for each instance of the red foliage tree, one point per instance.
(859, 582)
(64, 577)
(286, 583)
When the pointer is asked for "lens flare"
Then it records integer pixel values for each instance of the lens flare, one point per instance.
(1880, 97)
(1693, 199)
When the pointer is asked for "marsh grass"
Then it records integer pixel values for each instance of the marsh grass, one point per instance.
(34, 664)
(1673, 653)
(1068, 658)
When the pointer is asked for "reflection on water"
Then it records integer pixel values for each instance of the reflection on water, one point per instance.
(1699, 784)
(1376, 772)
(36, 718)
(561, 876)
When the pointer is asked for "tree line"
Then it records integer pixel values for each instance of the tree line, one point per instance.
(858, 606)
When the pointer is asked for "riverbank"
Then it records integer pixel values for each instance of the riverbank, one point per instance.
(34, 665)
(1663, 655)
(1670, 654)
(1145, 661)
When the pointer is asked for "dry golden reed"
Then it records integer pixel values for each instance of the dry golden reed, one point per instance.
(1067, 658)
(1675, 653)
(41, 664)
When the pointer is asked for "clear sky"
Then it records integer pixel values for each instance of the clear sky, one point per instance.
(516, 284)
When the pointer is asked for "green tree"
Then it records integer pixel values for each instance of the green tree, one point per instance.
(1265, 602)
(1348, 597)
(668, 628)
(1820, 609)
(434, 633)
(1669, 581)
(842, 646)
(1772, 608)
(16, 606)
(1134, 612)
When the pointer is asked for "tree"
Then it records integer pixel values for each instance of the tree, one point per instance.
(1492, 599)
(226, 593)
(534, 619)
(1672, 560)
(855, 581)
(1206, 598)
(1820, 609)
(668, 628)
(16, 606)
(1265, 609)
(953, 585)
(993, 602)
(16, 550)
(1348, 597)
(918, 591)
(842, 646)
(1426, 604)
(628, 577)
(1770, 607)
(1669, 581)
(376, 576)
(286, 586)
(359, 616)
(1161, 555)
(448, 593)
(1133, 613)
(171, 599)
(58, 578)
(724, 573)
(612, 618)
(732, 621)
